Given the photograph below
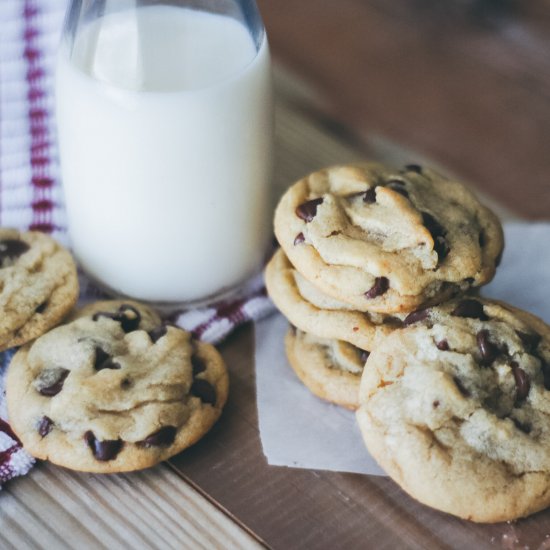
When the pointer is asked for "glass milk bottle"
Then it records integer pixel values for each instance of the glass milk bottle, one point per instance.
(165, 132)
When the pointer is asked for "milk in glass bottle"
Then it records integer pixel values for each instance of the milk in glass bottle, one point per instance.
(165, 132)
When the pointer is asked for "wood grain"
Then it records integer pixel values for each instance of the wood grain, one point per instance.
(57, 508)
(471, 93)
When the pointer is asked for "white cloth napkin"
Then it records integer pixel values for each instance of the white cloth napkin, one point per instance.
(299, 430)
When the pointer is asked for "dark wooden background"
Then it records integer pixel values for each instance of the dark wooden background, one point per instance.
(465, 82)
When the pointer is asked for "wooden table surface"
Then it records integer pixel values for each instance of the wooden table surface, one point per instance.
(465, 82)
(392, 80)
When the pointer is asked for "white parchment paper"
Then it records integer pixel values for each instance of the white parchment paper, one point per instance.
(299, 430)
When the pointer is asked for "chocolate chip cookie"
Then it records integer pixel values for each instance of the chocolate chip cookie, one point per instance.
(387, 241)
(38, 285)
(310, 310)
(114, 390)
(456, 408)
(331, 369)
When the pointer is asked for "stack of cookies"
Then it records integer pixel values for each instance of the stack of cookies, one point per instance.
(363, 248)
(107, 388)
(376, 274)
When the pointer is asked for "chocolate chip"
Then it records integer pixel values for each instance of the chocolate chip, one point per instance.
(307, 210)
(369, 196)
(50, 382)
(529, 340)
(443, 345)
(416, 316)
(42, 307)
(299, 239)
(441, 248)
(413, 168)
(161, 438)
(45, 426)
(103, 450)
(545, 368)
(522, 426)
(401, 191)
(523, 383)
(100, 357)
(435, 404)
(204, 391)
(126, 384)
(109, 364)
(198, 365)
(470, 309)
(461, 387)
(157, 333)
(399, 187)
(394, 182)
(481, 238)
(104, 361)
(381, 285)
(489, 351)
(129, 318)
(10, 249)
(437, 231)
(432, 225)
(127, 315)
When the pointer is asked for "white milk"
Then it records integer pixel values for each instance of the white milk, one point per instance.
(164, 118)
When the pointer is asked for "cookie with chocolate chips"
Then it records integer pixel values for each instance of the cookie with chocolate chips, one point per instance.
(330, 369)
(114, 390)
(387, 241)
(38, 285)
(455, 407)
(307, 308)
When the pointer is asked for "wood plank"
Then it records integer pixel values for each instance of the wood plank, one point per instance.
(56, 508)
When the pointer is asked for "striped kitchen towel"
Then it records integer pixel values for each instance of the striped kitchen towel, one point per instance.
(30, 194)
